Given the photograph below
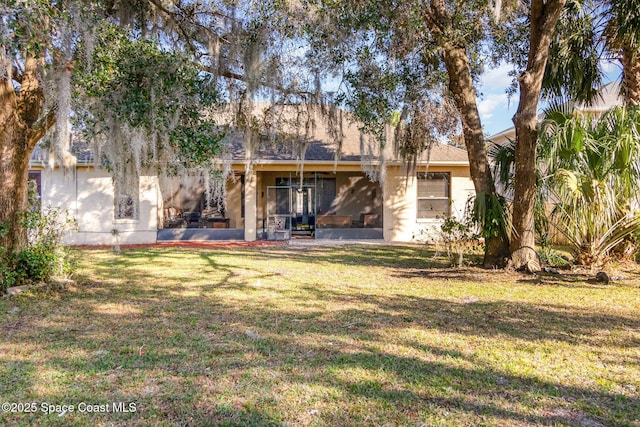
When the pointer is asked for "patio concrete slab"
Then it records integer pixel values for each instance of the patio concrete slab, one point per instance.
(334, 242)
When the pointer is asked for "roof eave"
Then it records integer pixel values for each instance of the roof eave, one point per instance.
(351, 162)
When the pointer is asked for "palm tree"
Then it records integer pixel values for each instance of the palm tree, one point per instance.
(573, 70)
(589, 169)
(622, 40)
(587, 32)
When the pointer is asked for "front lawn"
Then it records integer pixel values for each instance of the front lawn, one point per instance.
(343, 335)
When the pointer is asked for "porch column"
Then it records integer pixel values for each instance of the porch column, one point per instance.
(399, 215)
(250, 207)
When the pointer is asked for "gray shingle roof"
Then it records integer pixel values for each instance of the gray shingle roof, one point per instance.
(320, 147)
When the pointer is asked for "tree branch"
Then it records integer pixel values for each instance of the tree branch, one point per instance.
(16, 75)
(180, 16)
(239, 77)
(41, 126)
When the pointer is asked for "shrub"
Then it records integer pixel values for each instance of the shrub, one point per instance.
(35, 264)
(593, 174)
(44, 256)
(550, 256)
(460, 239)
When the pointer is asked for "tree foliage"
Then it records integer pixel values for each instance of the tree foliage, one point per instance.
(389, 69)
(132, 89)
(588, 32)
(588, 180)
(575, 55)
(142, 79)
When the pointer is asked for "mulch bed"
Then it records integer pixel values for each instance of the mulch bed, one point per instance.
(192, 245)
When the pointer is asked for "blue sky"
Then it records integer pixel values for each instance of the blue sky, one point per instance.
(497, 109)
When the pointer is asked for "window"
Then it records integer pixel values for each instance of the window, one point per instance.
(35, 189)
(125, 207)
(126, 198)
(433, 195)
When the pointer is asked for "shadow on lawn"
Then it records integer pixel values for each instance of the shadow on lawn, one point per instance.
(164, 368)
(412, 261)
(408, 262)
(492, 318)
(407, 257)
(465, 391)
(194, 359)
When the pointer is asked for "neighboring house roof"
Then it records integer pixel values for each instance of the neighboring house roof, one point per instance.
(503, 137)
(608, 97)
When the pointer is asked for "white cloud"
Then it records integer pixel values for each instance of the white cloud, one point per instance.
(497, 78)
(494, 106)
(612, 70)
(488, 106)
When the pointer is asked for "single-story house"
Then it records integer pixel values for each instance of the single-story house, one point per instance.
(281, 197)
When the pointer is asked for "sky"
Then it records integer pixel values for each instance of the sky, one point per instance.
(496, 108)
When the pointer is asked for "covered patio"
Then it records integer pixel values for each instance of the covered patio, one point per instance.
(320, 204)
(187, 212)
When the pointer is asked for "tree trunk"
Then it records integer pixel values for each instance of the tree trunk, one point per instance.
(630, 76)
(14, 169)
(21, 127)
(464, 95)
(544, 16)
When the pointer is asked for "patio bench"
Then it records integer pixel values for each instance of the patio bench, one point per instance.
(333, 221)
(371, 220)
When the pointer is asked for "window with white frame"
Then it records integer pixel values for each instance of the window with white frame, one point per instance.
(126, 197)
(35, 189)
(125, 207)
(434, 195)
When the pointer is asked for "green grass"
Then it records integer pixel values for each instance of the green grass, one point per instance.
(348, 335)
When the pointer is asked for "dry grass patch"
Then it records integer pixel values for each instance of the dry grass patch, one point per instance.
(322, 336)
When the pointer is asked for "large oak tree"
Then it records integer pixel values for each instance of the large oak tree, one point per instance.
(543, 17)
(141, 77)
(423, 59)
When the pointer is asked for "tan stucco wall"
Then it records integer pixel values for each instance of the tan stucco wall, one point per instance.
(88, 195)
(357, 195)
(399, 213)
(400, 206)
(234, 203)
